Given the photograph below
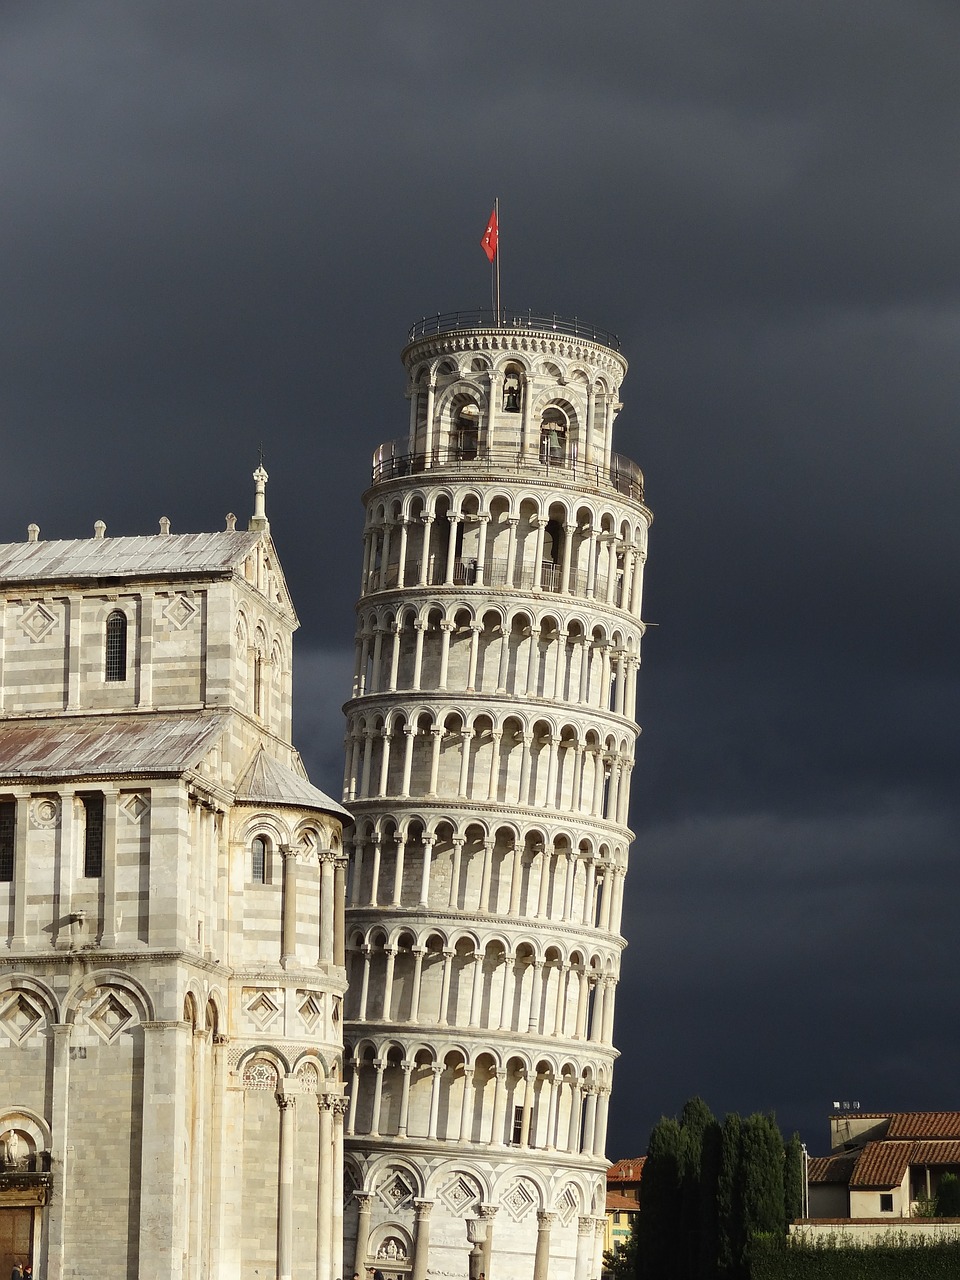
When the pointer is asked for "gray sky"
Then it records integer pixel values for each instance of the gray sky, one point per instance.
(218, 222)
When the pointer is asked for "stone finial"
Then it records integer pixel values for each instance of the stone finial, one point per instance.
(33, 533)
(231, 522)
(164, 524)
(259, 519)
(100, 529)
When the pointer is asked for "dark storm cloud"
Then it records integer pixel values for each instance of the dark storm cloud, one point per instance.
(217, 221)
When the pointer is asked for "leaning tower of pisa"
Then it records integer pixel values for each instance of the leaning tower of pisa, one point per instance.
(490, 742)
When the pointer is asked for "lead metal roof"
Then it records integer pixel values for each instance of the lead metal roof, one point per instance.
(267, 782)
(106, 746)
(157, 555)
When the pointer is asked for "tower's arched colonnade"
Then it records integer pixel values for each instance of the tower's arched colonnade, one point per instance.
(489, 750)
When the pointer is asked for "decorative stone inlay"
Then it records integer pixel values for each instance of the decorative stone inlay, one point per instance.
(395, 1191)
(567, 1204)
(134, 806)
(37, 621)
(260, 1074)
(109, 1017)
(262, 1009)
(20, 1017)
(45, 812)
(518, 1201)
(310, 1009)
(308, 1077)
(461, 1195)
(180, 610)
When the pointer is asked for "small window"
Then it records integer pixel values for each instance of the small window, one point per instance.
(8, 833)
(93, 836)
(517, 1125)
(886, 1202)
(115, 666)
(260, 866)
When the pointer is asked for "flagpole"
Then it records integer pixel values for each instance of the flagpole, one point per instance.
(496, 205)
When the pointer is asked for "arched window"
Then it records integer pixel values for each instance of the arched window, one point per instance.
(115, 664)
(553, 437)
(467, 432)
(260, 860)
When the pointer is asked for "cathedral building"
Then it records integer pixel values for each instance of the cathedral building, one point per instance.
(490, 743)
(171, 909)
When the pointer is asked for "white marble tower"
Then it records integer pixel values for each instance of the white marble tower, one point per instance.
(490, 742)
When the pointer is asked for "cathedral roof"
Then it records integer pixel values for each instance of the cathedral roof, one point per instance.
(267, 782)
(106, 746)
(157, 555)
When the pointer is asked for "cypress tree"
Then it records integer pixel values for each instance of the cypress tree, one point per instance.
(729, 1199)
(793, 1179)
(695, 1120)
(658, 1234)
(762, 1177)
(707, 1206)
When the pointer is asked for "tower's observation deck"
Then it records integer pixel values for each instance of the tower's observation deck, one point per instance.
(489, 750)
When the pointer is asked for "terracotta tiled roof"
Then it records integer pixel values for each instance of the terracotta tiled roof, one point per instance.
(924, 1124)
(627, 1170)
(882, 1164)
(619, 1200)
(936, 1153)
(831, 1169)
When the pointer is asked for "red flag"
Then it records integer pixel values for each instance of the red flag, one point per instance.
(489, 242)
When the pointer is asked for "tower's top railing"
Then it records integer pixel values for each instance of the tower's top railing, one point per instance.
(451, 321)
(393, 460)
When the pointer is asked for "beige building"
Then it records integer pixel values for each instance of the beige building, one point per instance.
(490, 743)
(623, 1201)
(882, 1164)
(171, 947)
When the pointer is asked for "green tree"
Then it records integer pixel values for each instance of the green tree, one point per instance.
(621, 1263)
(695, 1120)
(948, 1196)
(762, 1177)
(658, 1234)
(729, 1199)
(793, 1179)
(708, 1201)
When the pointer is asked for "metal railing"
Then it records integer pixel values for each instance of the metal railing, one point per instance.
(392, 460)
(497, 572)
(451, 321)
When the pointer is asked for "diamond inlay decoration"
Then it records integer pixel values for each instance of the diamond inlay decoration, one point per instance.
(567, 1205)
(37, 621)
(109, 1017)
(180, 611)
(311, 1010)
(135, 806)
(263, 1010)
(518, 1201)
(460, 1196)
(395, 1191)
(19, 1017)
